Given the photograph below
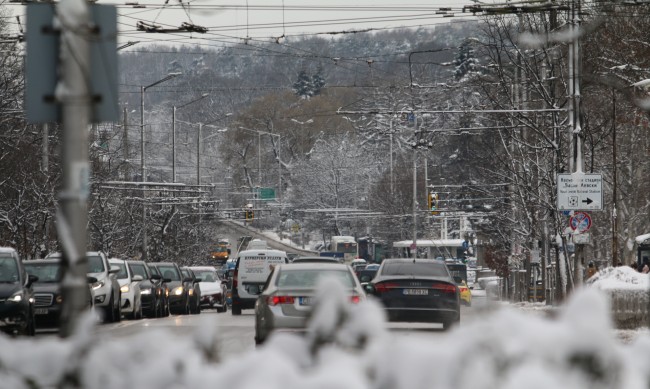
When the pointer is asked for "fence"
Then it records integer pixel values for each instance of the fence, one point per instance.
(630, 308)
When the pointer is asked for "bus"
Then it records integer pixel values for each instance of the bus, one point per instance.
(454, 249)
(346, 245)
(220, 252)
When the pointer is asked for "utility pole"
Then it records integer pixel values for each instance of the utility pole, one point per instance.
(125, 147)
(615, 180)
(76, 102)
(45, 161)
(198, 154)
(174, 144)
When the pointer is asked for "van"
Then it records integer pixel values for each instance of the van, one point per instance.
(251, 271)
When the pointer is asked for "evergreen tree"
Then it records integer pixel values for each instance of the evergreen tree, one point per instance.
(303, 87)
(317, 81)
(465, 63)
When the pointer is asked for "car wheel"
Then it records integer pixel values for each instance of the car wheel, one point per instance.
(258, 338)
(118, 309)
(31, 325)
(109, 312)
(236, 311)
(138, 312)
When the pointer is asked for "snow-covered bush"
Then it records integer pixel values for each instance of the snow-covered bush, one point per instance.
(349, 347)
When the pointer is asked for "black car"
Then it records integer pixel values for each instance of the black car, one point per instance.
(178, 299)
(417, 290)
(152, 290)
(16, 295)
(193, 289)
(48, 298)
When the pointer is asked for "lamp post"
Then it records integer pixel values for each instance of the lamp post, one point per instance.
(203, 96)
(142, 163)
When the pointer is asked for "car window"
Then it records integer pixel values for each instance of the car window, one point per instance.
(169, 272)
(122, 274)
(185, 273)
(207, 275)
(306, 278)
(46, 272)
(8, 270)
(95, 264)
(415, 268)
(154, 270)
(139, 269)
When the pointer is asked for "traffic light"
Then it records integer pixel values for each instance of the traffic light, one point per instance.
(433, 203)
(250, 215)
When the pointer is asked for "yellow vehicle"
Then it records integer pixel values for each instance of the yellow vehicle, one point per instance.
(220, 252)
(465, 294)
(458, 271)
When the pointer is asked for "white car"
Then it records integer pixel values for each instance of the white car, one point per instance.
(131, 301)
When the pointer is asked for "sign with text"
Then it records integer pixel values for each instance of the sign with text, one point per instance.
(580, 191)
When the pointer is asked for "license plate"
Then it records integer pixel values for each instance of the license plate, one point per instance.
(40, 311)
(304, 301)
(416, 292)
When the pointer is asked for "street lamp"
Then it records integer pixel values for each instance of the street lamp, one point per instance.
(142, 165)
(203, 96)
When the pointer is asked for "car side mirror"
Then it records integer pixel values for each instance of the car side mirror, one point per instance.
(155, 278)
(91, 280)
(114, 270)
(31, 279)
(167, 280)
(228, 251)
(187, 279)
(197, 280)
(137, 278)
(369, 288)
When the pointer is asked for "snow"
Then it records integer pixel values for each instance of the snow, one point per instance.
(620, 278)
(642, 238)
(348, 346)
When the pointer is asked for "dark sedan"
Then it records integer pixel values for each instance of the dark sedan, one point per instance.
(193, 289)
(417, 290)
(152, 292)
(16, 294)
(178, 299)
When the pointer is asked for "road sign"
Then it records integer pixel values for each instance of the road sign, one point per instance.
(580, 191)
(580, 222)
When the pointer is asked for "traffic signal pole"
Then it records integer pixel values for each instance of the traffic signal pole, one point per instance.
(73, 91)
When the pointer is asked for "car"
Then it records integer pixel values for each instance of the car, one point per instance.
(417, 290)
(193, 289)
(164, 286)
(214, 289)
(106, 289)
(316, 259)
(152, 295)
(48, 296)
(464, 292)
(365, 275)
(179, 297)
(251, 271)
(286, 301)
(131, 300)
(16, 295)
(358, 263)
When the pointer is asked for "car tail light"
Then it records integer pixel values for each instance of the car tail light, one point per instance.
(384, 287)
(276, 300)
(444, 288)
(355, 299)
(463, 289)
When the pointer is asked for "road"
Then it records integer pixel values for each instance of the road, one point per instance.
(235, 333)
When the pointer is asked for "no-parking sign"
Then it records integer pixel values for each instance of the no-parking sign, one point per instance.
(580, 221)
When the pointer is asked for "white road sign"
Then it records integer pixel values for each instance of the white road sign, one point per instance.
(580, 191)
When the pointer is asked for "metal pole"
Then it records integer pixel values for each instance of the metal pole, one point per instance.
(174, 144)
(198, 155)
(46, 146)
(414, 247)
(280, 171)
(143, 176)
(614, 192)
(75, 52)
(392, 189)
(259, 159)
(125, 146)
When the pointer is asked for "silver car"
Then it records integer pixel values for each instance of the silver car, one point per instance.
(131, 300)
(286, 301)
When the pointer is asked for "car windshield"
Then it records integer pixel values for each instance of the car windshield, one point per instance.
(46, 272)
(169, 272)
(185, 273)
(207, 275)
(95, 264)
(122, 274)
(139, 270)
(8, 270)
(410, 268)
(307, 278)
(154, 270)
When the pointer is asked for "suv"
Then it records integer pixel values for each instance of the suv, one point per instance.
(251, 271)
(16, 294)
(179, 301)
(106, 288)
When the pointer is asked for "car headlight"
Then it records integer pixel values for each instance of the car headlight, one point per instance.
(178, 290)
(98, 284)
(145, 291)
(190, 292)
(124, 288)
(59, 299)
(16, 297)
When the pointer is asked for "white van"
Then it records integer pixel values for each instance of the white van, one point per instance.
(251, 271)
